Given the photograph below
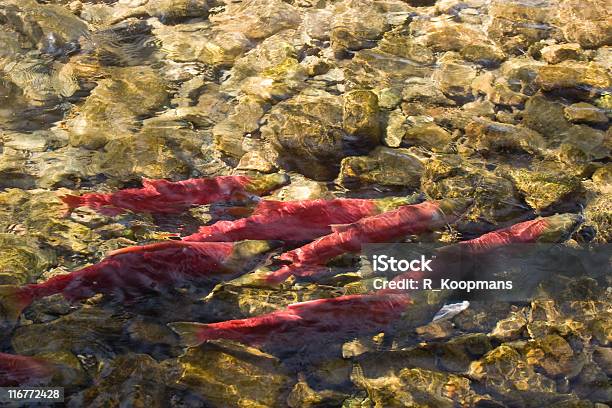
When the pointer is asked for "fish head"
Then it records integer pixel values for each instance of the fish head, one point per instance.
(266, 183)
(560, 227)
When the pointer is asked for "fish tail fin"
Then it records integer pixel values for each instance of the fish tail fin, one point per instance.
(189, 333)
(13, 299)
(72, 201)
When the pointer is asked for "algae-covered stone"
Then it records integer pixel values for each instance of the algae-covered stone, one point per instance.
(196, 43)
(554, 54)
(546, 117)
(257, 19)
(306, 131)
(89, 330)
(21, 259)
(510, 328)
(456, 354)
(586, 22)
(229, 134)
(277, 83)
(132, 379)
(543, 190)
(455, 78)
(516, 25)
(419, 387)
(504, 370)
(583, 112)
(574, 76)
(425, 91)
(384, 166)
(255, 378)
(494, 137)
(41, 215)
(357, 24)
(114, 106)
(396, 129)
(360, 117)
(167, 151)
(428, 135)
(554, 355)
(379, 68)
(303, 396)
(448, 176)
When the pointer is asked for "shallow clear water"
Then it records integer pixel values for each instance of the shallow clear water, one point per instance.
(506, 103)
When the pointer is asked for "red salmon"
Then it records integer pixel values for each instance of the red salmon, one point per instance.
(385, 227)
(295, 221)
(162, 196)
(348, 315)
(131, 272)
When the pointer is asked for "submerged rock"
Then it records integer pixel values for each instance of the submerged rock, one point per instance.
(543, 190)
(134, 379)
(360, 117)
(257, 377)
(448, 176)
(88, 331)
(306, 131)
(493, 137)
(505, 371)
(585, 113)
(419, 387)
(554, 54)
(554, 355)
(574, 76)
(115, 105)
(22, 260)
(40, 213)
(586, 22)
(383, 167)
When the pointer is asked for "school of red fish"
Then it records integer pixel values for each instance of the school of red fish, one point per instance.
(315, 231)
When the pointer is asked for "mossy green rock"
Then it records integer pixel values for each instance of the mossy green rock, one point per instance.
(307, 133)
(257, 379)
(40, 214)
(133, 379)
(494, 137)
(360, 117)
(115, 105)
(449, 176)
(543, 190)
(22, 260)
(383, 166)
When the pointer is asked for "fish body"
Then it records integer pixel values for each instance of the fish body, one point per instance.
(385, 227)
(551, 229)
(163, 196)
(135, 271)
(343, 314)
(295, 221)
(355, 314)
(18, 370)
